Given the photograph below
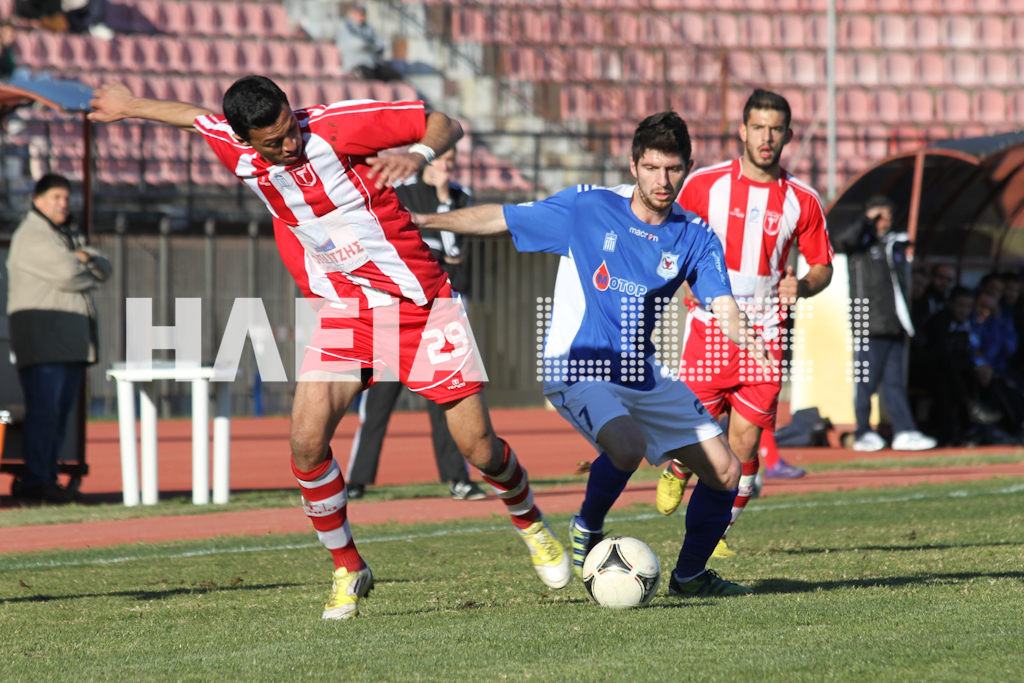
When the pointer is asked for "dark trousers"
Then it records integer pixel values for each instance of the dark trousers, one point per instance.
(374, 414)
(50, 391)
(882, 362)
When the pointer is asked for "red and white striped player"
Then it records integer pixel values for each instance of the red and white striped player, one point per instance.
(386, 309)
(758, 210)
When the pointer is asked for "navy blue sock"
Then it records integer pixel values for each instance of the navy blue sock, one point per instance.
(707, 518)
(604, 485)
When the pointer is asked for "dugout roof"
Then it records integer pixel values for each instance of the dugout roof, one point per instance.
(962, 201)
(65, 96)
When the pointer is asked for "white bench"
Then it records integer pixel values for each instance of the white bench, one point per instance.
(126, 379)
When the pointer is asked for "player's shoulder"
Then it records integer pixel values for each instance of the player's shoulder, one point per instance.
(714, 169)
(801, 187)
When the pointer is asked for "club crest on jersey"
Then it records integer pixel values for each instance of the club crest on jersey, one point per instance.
(668, 265)
(610, 238)
(772, 222)
(304, 175)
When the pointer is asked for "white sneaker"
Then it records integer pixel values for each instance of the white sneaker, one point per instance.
(912, 440)
(869, 442)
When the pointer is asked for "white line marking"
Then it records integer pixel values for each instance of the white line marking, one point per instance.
(761, 506)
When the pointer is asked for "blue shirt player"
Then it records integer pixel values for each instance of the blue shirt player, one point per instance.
(624, 252)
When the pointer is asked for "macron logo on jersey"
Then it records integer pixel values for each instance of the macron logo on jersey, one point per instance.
(603, 281)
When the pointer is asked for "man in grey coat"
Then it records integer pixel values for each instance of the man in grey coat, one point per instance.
(51, 275)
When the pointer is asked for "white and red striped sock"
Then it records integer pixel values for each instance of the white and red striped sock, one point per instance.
(680, 470)
(325, 502)
(513, 487)
(746, 490)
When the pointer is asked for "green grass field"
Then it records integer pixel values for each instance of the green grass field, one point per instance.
(923, 583)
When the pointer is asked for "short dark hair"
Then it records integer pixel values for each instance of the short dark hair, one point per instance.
(253, 102)
(48, 182)
(665, 132)
(766, 99)
(879, 201)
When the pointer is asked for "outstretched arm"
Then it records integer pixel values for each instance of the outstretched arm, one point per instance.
(485, 219)
(113, 101)
(441, 134)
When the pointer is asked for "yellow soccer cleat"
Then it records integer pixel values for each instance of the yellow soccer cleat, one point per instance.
(722, 551)
(348, 587)
(670, 492)
(549, 557)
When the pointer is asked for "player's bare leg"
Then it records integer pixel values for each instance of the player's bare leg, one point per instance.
(316, 410)
(707, 517)
(470, 427)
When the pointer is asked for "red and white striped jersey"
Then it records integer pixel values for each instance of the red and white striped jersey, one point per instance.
(757, 223)
(339, 235)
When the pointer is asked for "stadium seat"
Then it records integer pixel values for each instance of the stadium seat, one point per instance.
(855, 31)
(874, 142)
(992, 32)
(757, 30)
(997, 70)
(953, 105)
(854, 104)
(887, 105)
(690, 25)
(918, 105)
(989, 107)
(958, 31)
(898, 68)
(892, 31)
(805, 68)
(925, 31)
(933, 69)
(964, 69)
(771, 67)
(202, 18)
(789, 29)
(867, 70)
(723, 30)
(743, 66)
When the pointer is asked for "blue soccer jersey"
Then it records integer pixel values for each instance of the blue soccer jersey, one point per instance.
(615, 277)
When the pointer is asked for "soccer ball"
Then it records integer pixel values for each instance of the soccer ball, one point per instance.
(621, 572)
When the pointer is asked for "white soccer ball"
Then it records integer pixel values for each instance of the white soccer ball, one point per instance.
(621, 572)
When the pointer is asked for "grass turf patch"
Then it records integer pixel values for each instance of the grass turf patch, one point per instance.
(920, 582)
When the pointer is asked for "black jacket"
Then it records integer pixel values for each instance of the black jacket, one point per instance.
(878, 272)
(419, 197)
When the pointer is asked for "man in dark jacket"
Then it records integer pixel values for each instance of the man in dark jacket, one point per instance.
(878, 268)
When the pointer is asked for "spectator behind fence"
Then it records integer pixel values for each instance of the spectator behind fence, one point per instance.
(877, 261)
(53, 329)
(362, 53)
(8, 55)
(77, 16)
